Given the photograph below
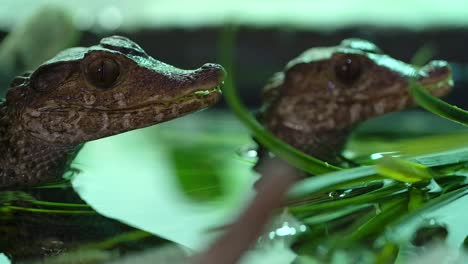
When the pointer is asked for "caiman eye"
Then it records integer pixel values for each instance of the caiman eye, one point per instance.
(348, 69)
(103, 73)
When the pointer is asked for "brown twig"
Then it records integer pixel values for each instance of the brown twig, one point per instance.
(277, 177)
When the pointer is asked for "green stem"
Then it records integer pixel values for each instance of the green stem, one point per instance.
(277, 146)
(48, 211)
(371, 197)
(437, 106)
(430, 206)
(395, 209)
(54, 204)
(332, 181)
(112, 242)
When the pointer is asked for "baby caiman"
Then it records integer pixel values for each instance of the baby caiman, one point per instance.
(312, 105)
(84, 94)
(315, 102)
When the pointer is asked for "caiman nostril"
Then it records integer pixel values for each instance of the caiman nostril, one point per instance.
(215, 68)
(210, 65)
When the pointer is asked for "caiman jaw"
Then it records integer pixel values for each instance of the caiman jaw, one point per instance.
(211, 96)
(199, 96)
(204, 97)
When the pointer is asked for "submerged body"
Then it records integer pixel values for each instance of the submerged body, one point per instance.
(314, 103)
(84, 94)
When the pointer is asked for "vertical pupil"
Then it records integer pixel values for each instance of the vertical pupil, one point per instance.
(101, 71)
(347, 65)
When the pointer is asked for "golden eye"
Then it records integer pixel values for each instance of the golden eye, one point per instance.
(103, 73)
(348, 69)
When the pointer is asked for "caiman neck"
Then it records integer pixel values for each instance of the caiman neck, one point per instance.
(325, 142)
(25, 161)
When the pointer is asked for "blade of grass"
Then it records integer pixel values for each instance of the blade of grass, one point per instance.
(403, 170)
(423, 54)
(363, 174)
(395, 229)
(277, 146)
(455, 156)
(55, 204)
(388, 192)
(394, 210)
(333, 181)
(330, 216)
(388, 254)
(114, 241)
(49, 211)
(437, 106)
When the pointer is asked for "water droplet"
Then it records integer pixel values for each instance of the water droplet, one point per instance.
(271, 235)
(251, 153)
(340, 193)
(285, 230)
(346, 193)
(302, 228)
(433, 187)
(379, 155)
(333, 194)
(247, 152)
(293, 231)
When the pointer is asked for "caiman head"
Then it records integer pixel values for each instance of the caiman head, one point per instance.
(321, 94)
(84, 94)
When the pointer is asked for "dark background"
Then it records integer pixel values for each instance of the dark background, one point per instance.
(261, 52)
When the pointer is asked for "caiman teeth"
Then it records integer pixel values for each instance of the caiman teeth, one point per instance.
(204, 92)
(217, 89)
(196, 94)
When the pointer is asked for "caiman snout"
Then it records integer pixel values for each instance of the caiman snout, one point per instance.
(214, 69)
(437, 69)
(436, 76)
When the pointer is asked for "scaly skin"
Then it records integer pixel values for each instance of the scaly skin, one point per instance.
(84, 94)
(314, 103)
